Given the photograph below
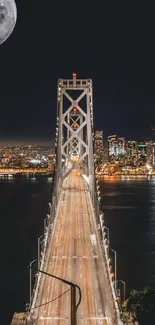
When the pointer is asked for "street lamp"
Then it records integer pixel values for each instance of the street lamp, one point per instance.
(31, 278)
(124, 290)
(124, 285)
(101, 216)
(74, 306)
(45, 223)
(39, 250)
(107, 233)
(115, 268)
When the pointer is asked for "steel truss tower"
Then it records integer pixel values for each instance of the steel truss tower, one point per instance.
(74, 132)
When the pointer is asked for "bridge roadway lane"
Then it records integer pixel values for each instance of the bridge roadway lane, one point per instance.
(74, 257)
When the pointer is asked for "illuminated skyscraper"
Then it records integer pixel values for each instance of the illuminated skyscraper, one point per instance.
(98, 147)
(112, 145)
(131, 152)
(150, 153)
(141, 153)
(116, 148)
(153, 154)
(121, 146)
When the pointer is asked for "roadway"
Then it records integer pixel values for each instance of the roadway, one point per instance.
(75, 255)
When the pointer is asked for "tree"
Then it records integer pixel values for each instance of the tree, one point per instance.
(140, 306)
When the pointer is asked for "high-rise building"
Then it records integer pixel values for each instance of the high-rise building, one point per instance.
(131, 152)
(112, 145)
(149, 153)
(105, 154)
(141, 159)
(98, 147)
(121, 146)
(116, 148)
(153, 154)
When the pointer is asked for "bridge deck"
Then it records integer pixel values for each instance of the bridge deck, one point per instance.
(74, 255)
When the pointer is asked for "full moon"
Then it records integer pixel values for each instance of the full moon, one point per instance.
(8, 17)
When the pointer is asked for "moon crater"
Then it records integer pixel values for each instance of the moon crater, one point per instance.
(8, 17)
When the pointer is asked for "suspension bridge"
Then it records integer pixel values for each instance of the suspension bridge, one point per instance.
(74, 283)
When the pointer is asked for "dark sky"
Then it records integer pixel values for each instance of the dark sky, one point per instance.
(106, 44)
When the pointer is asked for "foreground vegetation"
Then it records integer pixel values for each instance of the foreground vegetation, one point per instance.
(140, 307)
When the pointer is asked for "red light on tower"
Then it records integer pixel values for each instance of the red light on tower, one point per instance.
(75, 125)
(74, 75)
(75, 109)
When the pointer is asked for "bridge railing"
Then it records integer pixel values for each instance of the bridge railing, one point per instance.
(42, 259)
(104, 249)
(48, 232)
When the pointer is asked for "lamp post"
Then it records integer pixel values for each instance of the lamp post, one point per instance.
(39, 250)
(115, 268)
(45, 223)
(30, 267)
(124, 289)
(74, 306)
(107, 234)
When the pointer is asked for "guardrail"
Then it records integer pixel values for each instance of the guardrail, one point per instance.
(100, 220)
(99, 217)
(105, 249)
(48, 234)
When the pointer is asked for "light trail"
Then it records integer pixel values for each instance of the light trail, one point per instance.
(74, 257)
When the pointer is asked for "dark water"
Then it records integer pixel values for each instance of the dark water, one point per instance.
(23, 206)
(129, 207)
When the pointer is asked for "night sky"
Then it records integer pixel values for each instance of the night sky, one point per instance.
(108, 45)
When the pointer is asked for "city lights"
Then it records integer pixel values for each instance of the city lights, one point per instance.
(119, 156)
(26, 159)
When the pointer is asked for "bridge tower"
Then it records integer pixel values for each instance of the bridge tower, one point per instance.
(74, 131)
